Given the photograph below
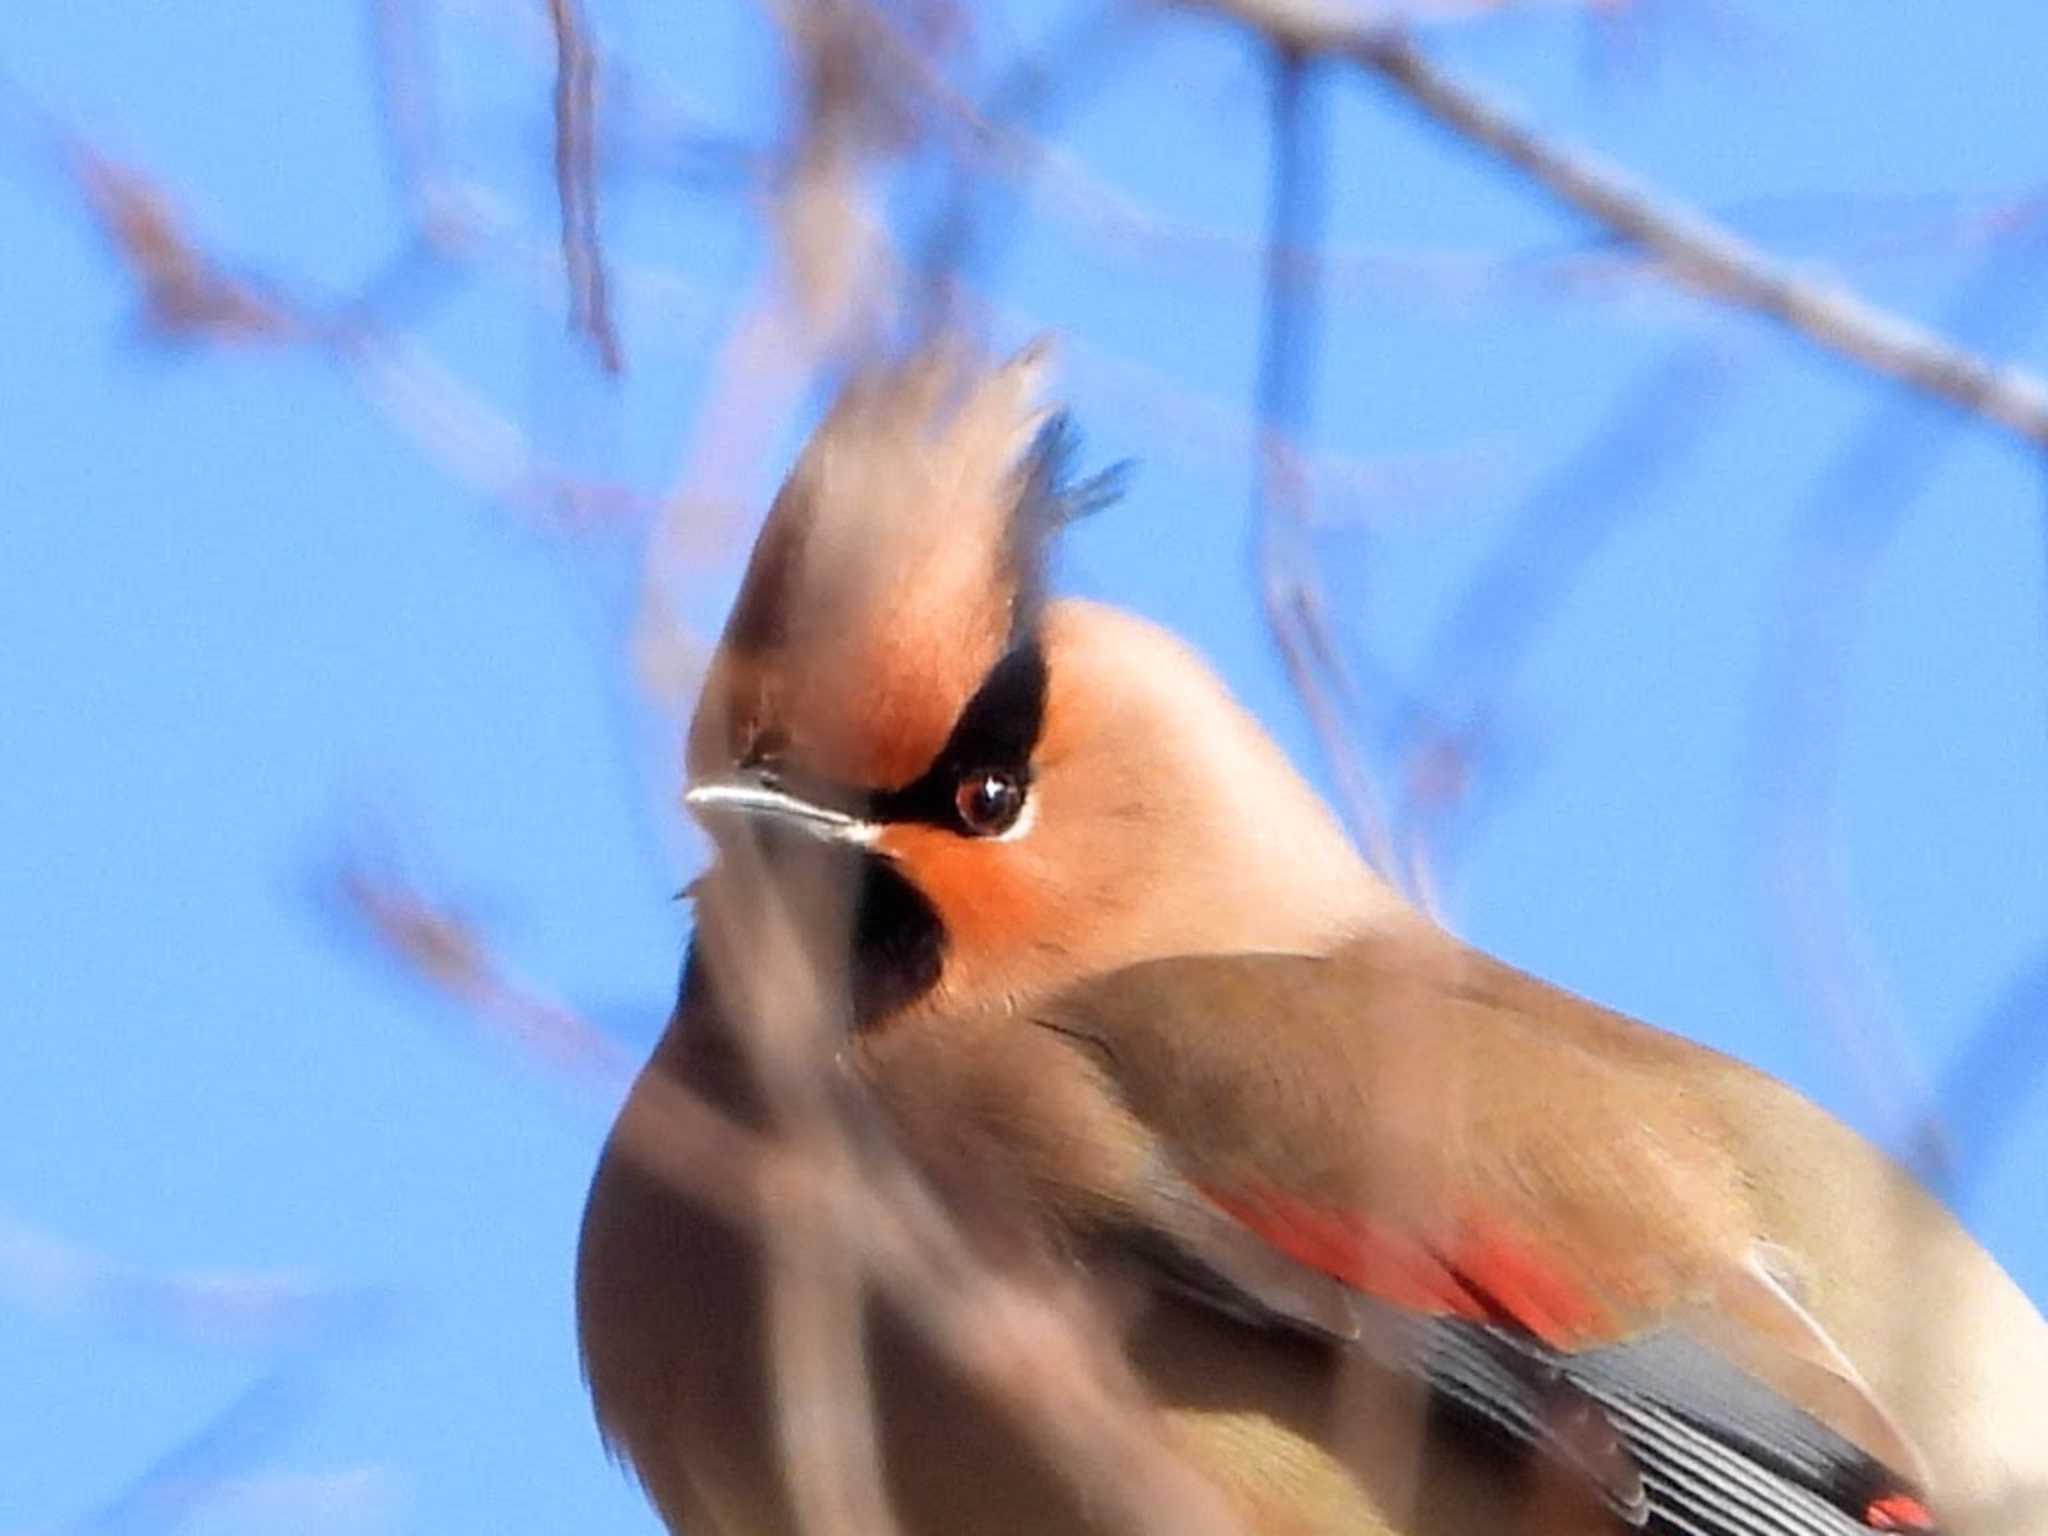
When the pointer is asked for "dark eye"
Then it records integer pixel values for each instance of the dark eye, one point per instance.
(989, 802)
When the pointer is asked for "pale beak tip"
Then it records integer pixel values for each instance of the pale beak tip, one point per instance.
(746, 797)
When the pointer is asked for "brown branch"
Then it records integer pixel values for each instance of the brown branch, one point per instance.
(840, 1212)
(1039, 1350)
(1990, 1081)
(191, 295)
(1853, 514)
(817, 1335)
(436, 945)
(1705, 256)
(785, 1019)
(471, 440)
(576, 182)
(1710, 258)
(185, 292)
(242, 1307)
(401, 59)
(295, 1317)
(1446, 740)
(1288, 584)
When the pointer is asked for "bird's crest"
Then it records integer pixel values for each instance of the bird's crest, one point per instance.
(903, 557)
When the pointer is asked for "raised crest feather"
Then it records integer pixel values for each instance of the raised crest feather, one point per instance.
(904, 556)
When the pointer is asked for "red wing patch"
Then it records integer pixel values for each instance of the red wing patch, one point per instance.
(1488, 1277)
(1899, 1512)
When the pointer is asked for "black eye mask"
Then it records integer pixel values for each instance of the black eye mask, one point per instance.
(996, 733)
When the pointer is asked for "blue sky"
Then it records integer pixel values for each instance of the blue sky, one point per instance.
(273, 1217)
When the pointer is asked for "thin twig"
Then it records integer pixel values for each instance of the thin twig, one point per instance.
(817, 1338)
(1442, 744)
(839, 1210)
(235, 1307)
(300, 1321)
(1036, 1349)
(785, 1019)
(186, 293)
(576, 182)
(191, 295)
(1000, 138)
(1288, 583)
(1858, 504)
(1707, 256)
(473, 441)
(192, 1474)
(401, 56)
(436, 945)
(1990, 1082)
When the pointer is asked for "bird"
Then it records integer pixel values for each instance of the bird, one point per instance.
(1399, 1240)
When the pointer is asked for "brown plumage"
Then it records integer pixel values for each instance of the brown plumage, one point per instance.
(1424, 1245)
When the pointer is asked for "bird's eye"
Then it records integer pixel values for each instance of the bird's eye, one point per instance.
(989, 802)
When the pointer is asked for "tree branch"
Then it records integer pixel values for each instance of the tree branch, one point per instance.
(1290, 327)
(576, 182)
(1703, 255)
(1712, 259)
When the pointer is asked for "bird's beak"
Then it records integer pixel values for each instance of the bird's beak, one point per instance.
(749, 794)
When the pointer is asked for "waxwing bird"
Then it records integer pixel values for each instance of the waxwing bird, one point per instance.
(1424, 1246)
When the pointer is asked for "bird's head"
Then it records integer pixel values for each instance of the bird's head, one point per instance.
(1008, 792)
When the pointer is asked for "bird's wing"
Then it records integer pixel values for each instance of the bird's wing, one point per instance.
(1395, 1156)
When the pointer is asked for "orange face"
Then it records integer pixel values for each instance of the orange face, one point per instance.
(1014, 793)
(907, 747)
(1099, 800)
(995, 904)
(1026, 874)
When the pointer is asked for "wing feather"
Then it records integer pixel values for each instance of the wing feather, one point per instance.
(1535, 1263)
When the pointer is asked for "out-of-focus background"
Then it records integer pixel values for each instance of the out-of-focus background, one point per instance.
(387, 394)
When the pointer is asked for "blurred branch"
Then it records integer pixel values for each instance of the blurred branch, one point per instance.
(1712, 259)
(190, 296)
(998, 140)
(436, 945)
(1289, 583)
(298, 1318)
(817, 1332)
(185, 293)
(192, 1474)
(1987, 1084)
(1703, 255)
(239, 1308)
(833, 292)
(1031, 1343)
(786, 1021)
(475, 442)
(576, 181)
(849, 119)
(840, 1211)
(1442, 745)
(402, 62)
(1857, 505)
